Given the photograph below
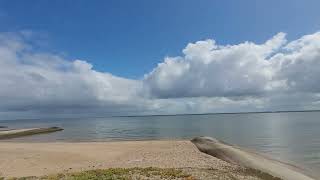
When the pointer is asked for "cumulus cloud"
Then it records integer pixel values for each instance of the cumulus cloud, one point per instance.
(246, 69)
(208, 77)
(31, 80)
(299, 64)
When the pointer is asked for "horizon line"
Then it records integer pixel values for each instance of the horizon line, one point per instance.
(182, 114)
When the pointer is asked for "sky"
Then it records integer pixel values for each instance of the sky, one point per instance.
(101, 58)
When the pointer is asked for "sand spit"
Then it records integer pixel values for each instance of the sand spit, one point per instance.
(249, 159)
(7, 134)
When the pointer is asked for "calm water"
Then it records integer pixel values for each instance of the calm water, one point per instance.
(292, 137)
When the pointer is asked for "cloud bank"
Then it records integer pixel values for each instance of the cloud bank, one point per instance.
(208, 77)
(245, 69)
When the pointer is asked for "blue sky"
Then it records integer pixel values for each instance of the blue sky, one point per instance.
(129, 38)
(100, 58)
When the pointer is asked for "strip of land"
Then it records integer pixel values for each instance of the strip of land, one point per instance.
(40, 159)
(7, 134)
(249, 159)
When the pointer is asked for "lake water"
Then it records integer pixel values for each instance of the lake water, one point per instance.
(293, 137)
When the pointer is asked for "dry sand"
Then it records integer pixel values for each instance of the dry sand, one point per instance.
(29, 159)
(36, 159)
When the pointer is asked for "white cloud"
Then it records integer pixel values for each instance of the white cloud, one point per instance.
(38, 81)
(208, 77)
(246, 69)
(211, 70)
(299, 64)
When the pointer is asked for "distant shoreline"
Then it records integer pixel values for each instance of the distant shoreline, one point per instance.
(155, 115)
(253, 112)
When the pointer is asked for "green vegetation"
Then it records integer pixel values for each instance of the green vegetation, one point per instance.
(257, 173)
(117, 174)
(152, 173)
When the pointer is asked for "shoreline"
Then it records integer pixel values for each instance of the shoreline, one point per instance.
(39, 159)
(23, 159)
(36, 158)
(306, 169)
(251, 159)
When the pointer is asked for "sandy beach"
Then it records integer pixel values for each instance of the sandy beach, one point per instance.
(38, 159)
(200, 158)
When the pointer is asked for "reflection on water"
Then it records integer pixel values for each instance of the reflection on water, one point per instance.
(293, 137)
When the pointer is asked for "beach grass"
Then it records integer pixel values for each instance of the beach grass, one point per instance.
(257, 173)
(116, 174)
(151, 173)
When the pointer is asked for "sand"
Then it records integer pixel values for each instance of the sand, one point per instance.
(225, 161)
(35, 159)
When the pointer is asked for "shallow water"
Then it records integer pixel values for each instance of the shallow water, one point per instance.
(293, 137)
